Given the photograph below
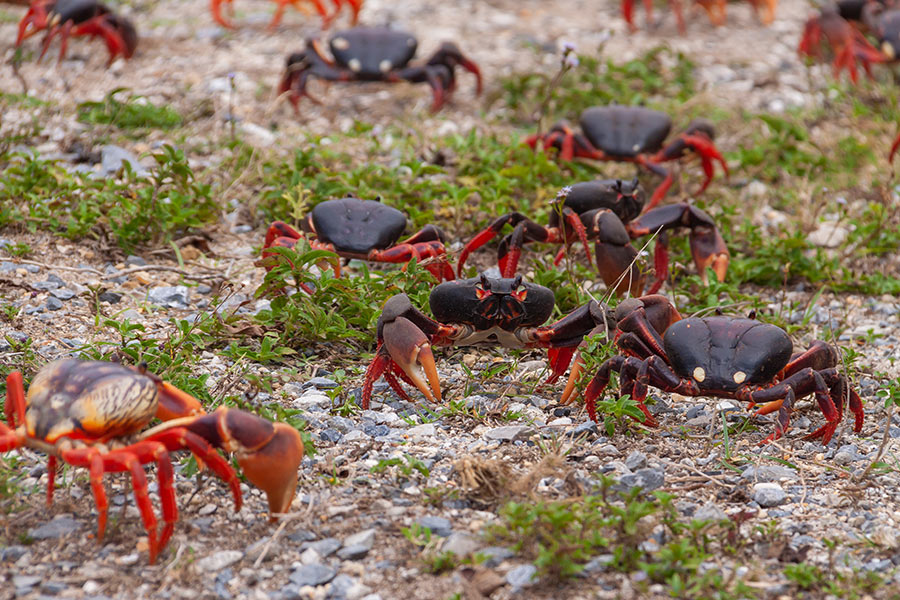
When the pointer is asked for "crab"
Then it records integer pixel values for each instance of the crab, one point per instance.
(375, 54)
(66, 18)
(215, 8)
(842, 24)
(367, 230)
(634, 134)
(608, 211)
(726, 357)
(508, 312)
(715, 10)
(90, 414)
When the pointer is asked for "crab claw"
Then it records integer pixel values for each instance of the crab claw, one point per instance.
(268, 453)
(215, 7)
(709, 251)
(409, 348)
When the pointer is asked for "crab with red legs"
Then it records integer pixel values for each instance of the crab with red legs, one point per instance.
(90, 414)
(842, 25)
(483, 310)
(608, 212)
(725, 357)
(215, 7)
(67, 18)
(715, 10)
(634, 134)
(375, 54)
(366, 230)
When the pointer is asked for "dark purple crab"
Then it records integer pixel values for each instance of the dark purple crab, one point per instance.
(608, 211)
(364, 229)
(495, 311)
(634, 134)
(727, 357)
(67, 18)
(375, 54)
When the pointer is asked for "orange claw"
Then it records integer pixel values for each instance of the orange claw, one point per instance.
(269, 453)
(408, 346)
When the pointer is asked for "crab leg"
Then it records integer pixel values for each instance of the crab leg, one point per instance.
(707, 246)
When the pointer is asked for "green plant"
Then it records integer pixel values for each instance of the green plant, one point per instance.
(134, 112)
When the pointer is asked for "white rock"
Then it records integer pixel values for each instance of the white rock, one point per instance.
(828, 235)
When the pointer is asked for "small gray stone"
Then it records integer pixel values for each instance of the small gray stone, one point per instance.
(508, 433)
(769, 494)
(521, 576)
(587, 429)
(45, 286)
(710, 512)
(219, 560)
(54, 588)
(170, 296)
(12, 553)
(339, 587)
(353, 552)
(53, 303)
(57, 528)
(25, 581)
(426, 430)
(636, 460)
(62, 294)
(495, 555)
(322, 383)
(438, 525)
(461, 544)
(768, 473)
(312, 575)
(377, 430)
(135, 261)
(112, 158)
(110, 297)
(324, 547)
(647, 479)
(330, 435)
(363, 538)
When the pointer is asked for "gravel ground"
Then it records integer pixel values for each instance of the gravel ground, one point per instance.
(345, 539)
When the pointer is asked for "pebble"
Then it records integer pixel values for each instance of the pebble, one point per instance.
(363, 538)
(353, 552)
(312, 575)
(438, 525)
(769, 494)
(421, 432)
(325, 547)
(53, 303)
(587, 429)
(495, 555)
(508, 433)
(521, 576)
(112, 158)
(768, 473)
(57, 528)
(461, 544)
(219, 560)
(25, 581)
(710, 512)
(176, 296)
(636, 460)
(330, 435)
(647, 479)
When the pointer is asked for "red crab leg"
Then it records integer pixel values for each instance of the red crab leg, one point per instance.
(90, 458)
(403, 253)
(15, 400)
(177, 438)
(99, 27)
(215, 9)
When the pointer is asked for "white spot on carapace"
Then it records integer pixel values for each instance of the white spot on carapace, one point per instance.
(340, 43)
(740, 377)
(354, 65)
(385, 66)
(699, 374)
